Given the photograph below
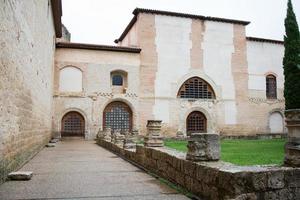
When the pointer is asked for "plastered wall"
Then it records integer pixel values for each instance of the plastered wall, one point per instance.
(96, 67)
(26, 80)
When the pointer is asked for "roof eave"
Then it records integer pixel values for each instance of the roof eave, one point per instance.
(57, 13)
(175, 14)
(72, 45)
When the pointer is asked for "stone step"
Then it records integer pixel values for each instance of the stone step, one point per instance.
(50, 145)
(20, 175)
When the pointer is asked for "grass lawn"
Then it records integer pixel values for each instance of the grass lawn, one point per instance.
(244, 152)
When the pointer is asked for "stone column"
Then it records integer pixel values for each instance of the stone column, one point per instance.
(153, 137)
(203, 147)
(292, 147)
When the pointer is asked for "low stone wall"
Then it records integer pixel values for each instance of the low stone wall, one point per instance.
(214, 180)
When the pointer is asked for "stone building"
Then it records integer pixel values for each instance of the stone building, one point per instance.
(195, 73)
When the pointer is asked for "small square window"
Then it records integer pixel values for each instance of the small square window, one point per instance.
(117, 80)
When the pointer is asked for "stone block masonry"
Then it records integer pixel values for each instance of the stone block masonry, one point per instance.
(214, 180)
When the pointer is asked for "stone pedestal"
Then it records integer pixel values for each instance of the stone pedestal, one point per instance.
(203, 147)
(292, 147)
(153, 137)
(118, 138)
(107, 135)
(129, 141)
(100, 134)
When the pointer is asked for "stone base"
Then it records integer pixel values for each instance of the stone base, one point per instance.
(203, 147)
(292, 155)
(129, 143)
(55, 140)
(292, 147)
(20, 176)
(153, 141)
(50, 145)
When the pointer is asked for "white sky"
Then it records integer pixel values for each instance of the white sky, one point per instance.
(103, 21)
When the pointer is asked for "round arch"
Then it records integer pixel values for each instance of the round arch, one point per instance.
(201, 75)
(118, 115)
(211, 121)
(72, 124)
(196, 88)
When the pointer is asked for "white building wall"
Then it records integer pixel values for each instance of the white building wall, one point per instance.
(70, 80)
(173, 46)
(217, 52)
(264, 58)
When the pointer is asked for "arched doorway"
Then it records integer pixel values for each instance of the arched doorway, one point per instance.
(72, 124)
(276, 122)
(196, 122)
(117, 115)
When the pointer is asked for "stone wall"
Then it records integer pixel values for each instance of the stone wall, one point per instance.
(27, 48)
(214, 180)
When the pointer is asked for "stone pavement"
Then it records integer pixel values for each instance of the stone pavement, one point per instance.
(78, 169)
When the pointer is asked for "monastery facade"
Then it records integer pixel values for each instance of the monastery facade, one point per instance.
(195, 73)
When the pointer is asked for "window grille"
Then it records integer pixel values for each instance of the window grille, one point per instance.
(118, 116)
(73, 124)
(196, 88)
(196, 123)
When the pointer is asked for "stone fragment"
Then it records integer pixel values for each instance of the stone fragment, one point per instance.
(179, 134)
(118, 138)
(153, 137)
(129, 141)
(292, 147)
(54, 140)
(107, 135)
(50, 145)
(203, 147)
(20, 175)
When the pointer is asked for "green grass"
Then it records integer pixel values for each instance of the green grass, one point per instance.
(244, 152)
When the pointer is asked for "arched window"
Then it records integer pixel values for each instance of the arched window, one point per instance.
(72, 124)
(196, 123)
(196, 88)
(117, 115)
(117, 80)
(70, 79)
(271, 87)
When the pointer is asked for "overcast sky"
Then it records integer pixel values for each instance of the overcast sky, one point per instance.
(102, 21)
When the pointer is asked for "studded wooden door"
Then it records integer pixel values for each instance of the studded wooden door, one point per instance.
(72, 124)
(117, 115)
(196, 123)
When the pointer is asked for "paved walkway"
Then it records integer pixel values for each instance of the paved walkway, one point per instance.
(78, 169)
